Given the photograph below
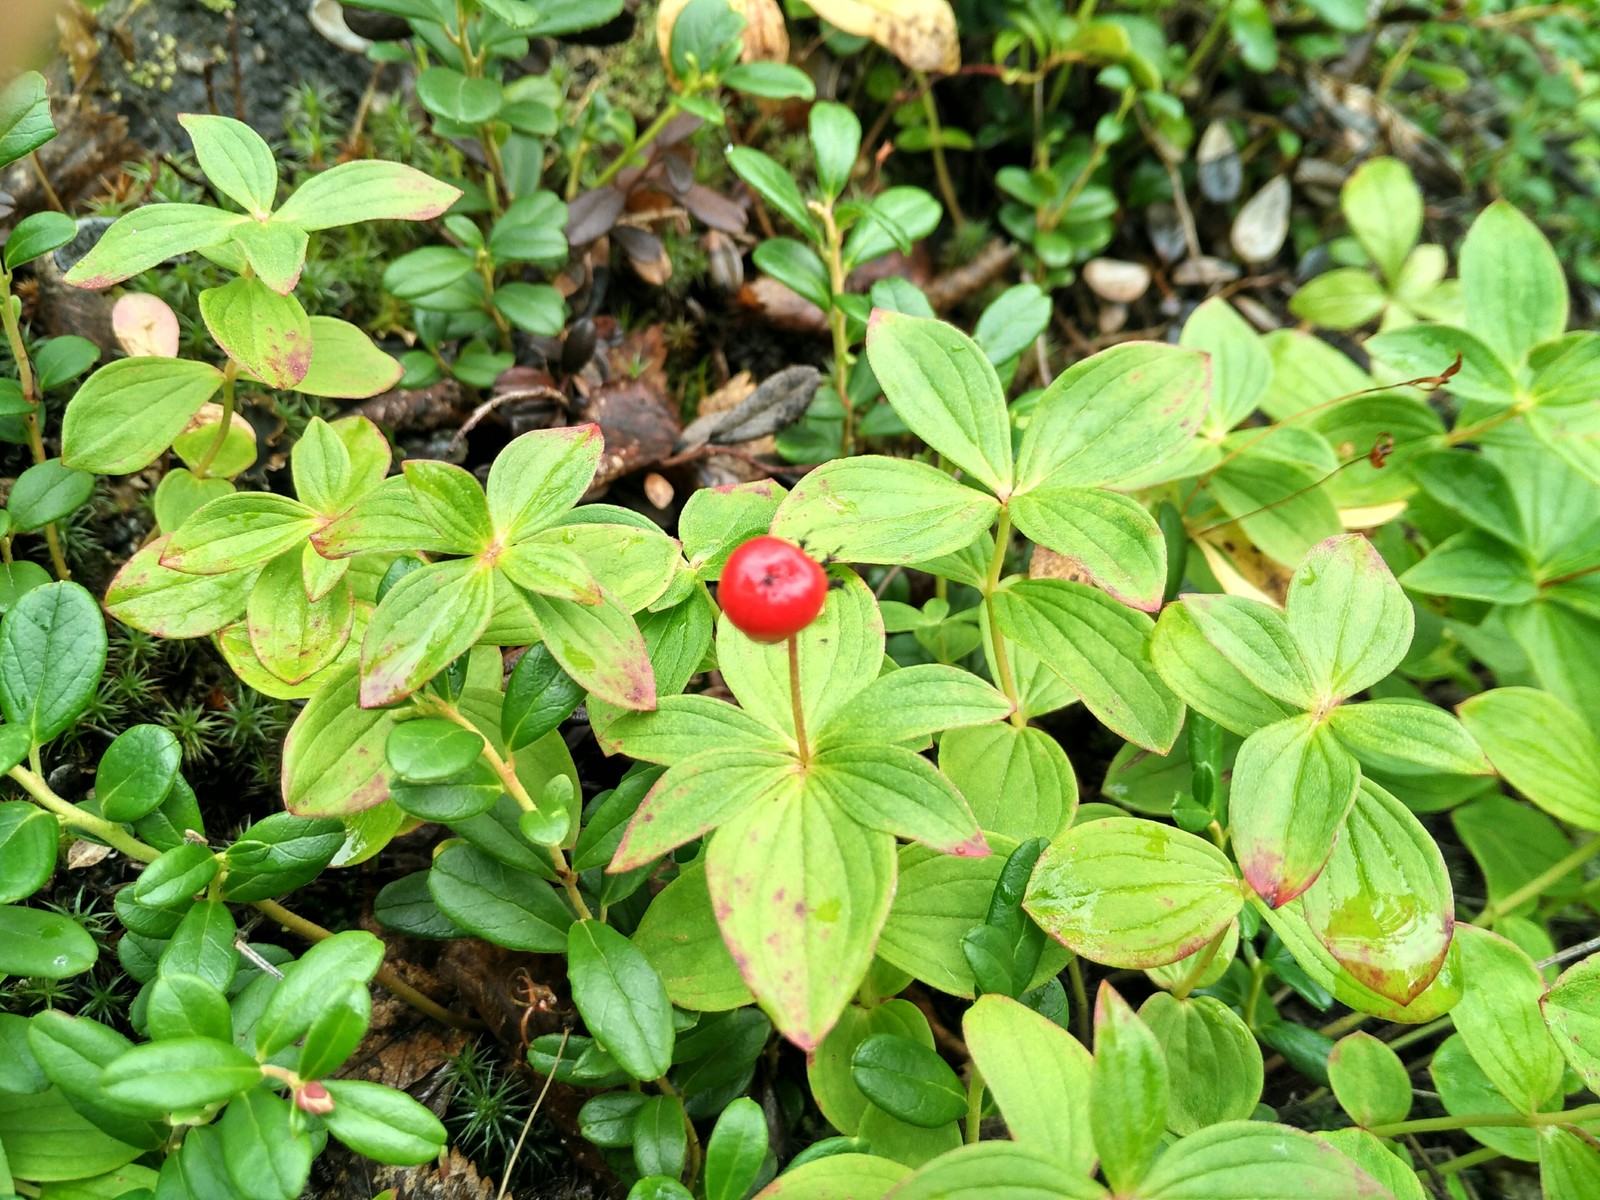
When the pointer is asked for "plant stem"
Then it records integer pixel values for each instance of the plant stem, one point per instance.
(651, 132)
(230, 372)
(313, 932)
(30, 419)
(1571, 1116)
(974, 1104)
(838, 323)
(1207, 954)
(118, 838)
(796, 700)
(941, 169)
(997, 641)
(1080, 1001)
(1535, 886)
(70, 815)
(1465, 1162)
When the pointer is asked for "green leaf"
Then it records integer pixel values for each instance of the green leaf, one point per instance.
(1500, 1020)
(911, 704)
(1515, 289)
(660, 1141)
(36, 235)
(1213, 1061)
(1293, 783)
(621, 999)
(679, 936)
(508, 907)
(334, 751)
(838, 1177)
(148, 237)
(366, 190)
(243, 529)
(428, 620)
(600, 646)
(1370, 1082)
(183, 1005)
(275, 252)
(1383, 204)
(383, 1124)
(446, 92)
(1017, 780)
(341, 1022)
(279, 854)
(835, 142)
(1256, 641)
(872, 509)
(699, 793)
(267, 334)
(1348, 616)
(1109, 538)
(452, 502)
(28, 842)
(736, 1150)
(1132, 893)
(1475, 565)
(939, 899)
(530, 230)
(136, 772)
(176, 875)
(895, 219)
(44, 1138)
(266, 1154)
(539, 696)
(1423, 351)
(43, 944)
(804, 890)
(945, 389)
(1569, 1168)
(1541, 747)
(1205, 680)
(293, 636)
(157, 599)
(797, 267)
(1039, 1076)
(459, 797)
(536, 308)
(1240, 367)
(995, 1168)
(1111, 416)
(1572, 1013)
(1464, 1089)
(431, 749)
(344, 362)
(25, 122)
(180, 495)
(47, 492)
(236, 160)
(892, 790)
(1565, 370)
(770, 80)
(774, 185)
(1382, 905)
(1407, 735)
(1100, 648)
(203, 944)
(1281, 504)
(52, 651)
(130, 410)
(1128, 1091)
(1251, 1158)
(908, 1080)
(184, 1073)
(298, 998)
(1344, 298)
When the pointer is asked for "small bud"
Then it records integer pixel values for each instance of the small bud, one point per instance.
(313, 1098)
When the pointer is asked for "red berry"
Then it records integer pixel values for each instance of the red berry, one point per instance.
(771, 589)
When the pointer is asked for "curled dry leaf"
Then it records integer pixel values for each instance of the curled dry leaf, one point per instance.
(1115, 280)
(920, 33)
(144, 326)
(1263, 223)
(766, 38)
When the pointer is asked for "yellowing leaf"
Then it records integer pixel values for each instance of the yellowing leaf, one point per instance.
(920, 33)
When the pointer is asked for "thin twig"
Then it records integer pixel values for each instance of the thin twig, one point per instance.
(505, 1177)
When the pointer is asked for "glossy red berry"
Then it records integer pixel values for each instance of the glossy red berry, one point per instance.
(771, 589)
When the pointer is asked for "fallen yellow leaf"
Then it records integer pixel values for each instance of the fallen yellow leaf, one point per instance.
(920, 33)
